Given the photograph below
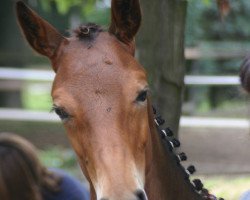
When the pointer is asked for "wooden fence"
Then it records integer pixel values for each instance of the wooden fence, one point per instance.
(46, 76)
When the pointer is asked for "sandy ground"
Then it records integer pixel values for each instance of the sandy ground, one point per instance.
(217, 151)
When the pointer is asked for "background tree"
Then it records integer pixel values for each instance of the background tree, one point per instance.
(161, 51)
(10, 46)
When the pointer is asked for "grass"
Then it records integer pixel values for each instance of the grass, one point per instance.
(36, 96)
(62, 158)
(229, 187)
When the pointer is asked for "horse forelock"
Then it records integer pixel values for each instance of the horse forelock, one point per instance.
(87, 32)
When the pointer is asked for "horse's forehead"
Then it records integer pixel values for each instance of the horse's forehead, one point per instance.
(100, 65)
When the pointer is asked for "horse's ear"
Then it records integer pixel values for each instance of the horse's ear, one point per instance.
(42, 36)
(125, 19)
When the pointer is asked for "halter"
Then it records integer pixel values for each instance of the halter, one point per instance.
(170, 144)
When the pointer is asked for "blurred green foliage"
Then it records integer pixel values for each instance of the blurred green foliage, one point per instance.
(36, 97)
(204, 22)
(88, 10)
(230, 187)
(63, 6)
(57, 157)
(61, 158)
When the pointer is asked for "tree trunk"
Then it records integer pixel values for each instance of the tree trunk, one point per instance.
(161, 52)
(12, 50)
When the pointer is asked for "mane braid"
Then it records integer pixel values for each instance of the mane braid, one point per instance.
(87, 32)
(171, 143)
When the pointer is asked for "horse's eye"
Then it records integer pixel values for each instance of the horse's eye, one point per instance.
(142, 96)
(61, 113)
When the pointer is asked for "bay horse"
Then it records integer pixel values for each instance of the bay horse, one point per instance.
(101, 94)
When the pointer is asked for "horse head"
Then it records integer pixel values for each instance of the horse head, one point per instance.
(100, 93)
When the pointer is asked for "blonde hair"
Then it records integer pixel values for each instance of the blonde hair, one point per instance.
(22, 176)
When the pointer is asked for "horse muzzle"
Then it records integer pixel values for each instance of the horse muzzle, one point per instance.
(137, 195)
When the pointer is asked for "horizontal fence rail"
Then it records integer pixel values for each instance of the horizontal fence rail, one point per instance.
(211, 80)
(193, 122)
(196, 53)
(48, 76)
(26, 115)
(9, 74)
(26, 74)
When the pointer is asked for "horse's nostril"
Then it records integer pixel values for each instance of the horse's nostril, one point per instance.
(140, 195)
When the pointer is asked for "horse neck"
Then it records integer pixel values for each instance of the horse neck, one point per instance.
(164, 177)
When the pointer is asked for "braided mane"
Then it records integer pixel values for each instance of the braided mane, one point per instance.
(170, 144)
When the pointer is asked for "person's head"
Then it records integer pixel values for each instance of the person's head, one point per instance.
(245, 74)
(22, 176)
